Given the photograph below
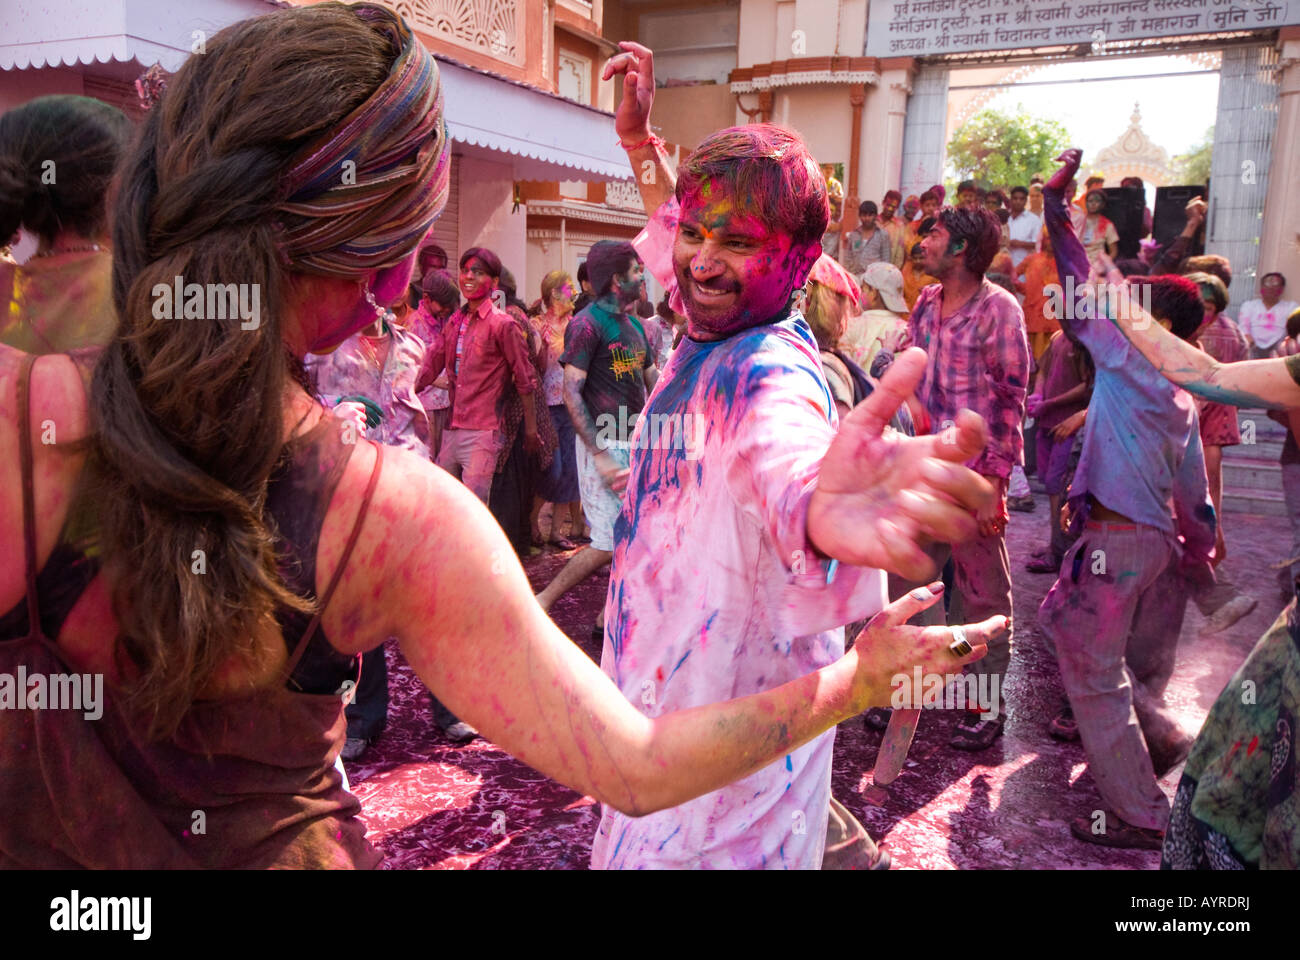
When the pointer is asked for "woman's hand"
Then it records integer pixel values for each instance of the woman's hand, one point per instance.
(889, 649)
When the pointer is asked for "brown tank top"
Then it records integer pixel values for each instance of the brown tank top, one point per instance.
(244, 783)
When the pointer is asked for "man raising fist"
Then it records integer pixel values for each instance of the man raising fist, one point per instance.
(746, 493)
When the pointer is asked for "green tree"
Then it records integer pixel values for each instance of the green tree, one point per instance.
(1193, 167)
(999, 149)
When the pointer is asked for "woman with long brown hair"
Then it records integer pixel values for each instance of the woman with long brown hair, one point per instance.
(201, 533)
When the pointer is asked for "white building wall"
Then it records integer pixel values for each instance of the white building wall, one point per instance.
(486, 195)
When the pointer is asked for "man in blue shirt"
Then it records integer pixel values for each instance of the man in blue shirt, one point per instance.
(1115, 612)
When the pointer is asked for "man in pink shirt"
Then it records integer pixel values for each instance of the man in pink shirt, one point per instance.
(743, 499)
(973, 333)
(483, 352)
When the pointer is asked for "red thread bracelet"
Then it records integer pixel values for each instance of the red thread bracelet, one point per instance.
(651, 140)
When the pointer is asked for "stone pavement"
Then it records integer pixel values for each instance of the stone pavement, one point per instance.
(428, 803)
(1010, 807)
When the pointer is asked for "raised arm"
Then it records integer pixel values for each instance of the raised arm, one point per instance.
(1250, 383)
(654, 178)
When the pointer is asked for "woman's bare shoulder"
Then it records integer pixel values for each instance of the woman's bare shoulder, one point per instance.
(57, 396)
(420, 526)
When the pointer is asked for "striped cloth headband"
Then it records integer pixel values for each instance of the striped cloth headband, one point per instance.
(364, 197)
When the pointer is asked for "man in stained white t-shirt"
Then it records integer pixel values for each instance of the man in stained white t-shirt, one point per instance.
(1023, 227)
(1263, 320)
(752, 528)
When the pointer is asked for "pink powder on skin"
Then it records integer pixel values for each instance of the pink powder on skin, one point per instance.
(760, 268)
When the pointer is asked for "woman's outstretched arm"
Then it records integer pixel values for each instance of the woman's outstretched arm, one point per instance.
(447, 584)
(1249, 383)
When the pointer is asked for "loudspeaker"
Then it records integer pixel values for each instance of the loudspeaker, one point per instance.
(1169, 217)
(1124, 208)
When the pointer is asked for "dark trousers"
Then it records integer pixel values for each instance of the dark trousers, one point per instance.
(443, 717)
(368, 712)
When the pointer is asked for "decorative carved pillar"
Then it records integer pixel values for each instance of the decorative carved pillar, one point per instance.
(857, 97)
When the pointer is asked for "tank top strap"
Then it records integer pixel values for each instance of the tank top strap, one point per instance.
(308, 633)
(29, 498)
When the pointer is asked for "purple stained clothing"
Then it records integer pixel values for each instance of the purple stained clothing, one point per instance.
(978, 360)
(354, 370)
(1063, 375)
(715, 591)
(1141, 444)
(1222, 339)
(429, 329)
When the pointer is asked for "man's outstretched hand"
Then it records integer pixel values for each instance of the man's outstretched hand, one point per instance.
(637, 64)
(882, 496)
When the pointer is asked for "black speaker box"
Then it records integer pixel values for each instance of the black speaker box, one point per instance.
(1169, 216)
(1124, 207)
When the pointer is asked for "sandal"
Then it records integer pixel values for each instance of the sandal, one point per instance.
(562, 543)
(1043, 562)
(877, 718)
(1064, 727)
(977, 731)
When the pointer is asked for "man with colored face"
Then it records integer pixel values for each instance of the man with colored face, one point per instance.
(609, 368)
(1263, 321)
(929, 207)
(751, 530)
(866, 245)
(484, 353)
(973, 333)
(967, 195)
(893, 225)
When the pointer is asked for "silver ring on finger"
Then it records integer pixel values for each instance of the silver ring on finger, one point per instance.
(960, 646)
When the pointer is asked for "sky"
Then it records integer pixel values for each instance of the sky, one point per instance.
(1176, 111)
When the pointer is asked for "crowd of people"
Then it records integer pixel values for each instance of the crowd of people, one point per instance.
(227, 515)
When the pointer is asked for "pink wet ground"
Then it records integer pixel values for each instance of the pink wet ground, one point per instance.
(428, 803)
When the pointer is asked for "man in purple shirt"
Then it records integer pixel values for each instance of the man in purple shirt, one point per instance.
(1114, 614)
(973, 333)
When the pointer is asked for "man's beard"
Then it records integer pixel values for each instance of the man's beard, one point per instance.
(701, 317)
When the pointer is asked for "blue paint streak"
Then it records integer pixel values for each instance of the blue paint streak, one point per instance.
(683, 659)
(670, 836)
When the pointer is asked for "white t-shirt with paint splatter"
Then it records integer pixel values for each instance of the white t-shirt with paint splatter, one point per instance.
(715, 592)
